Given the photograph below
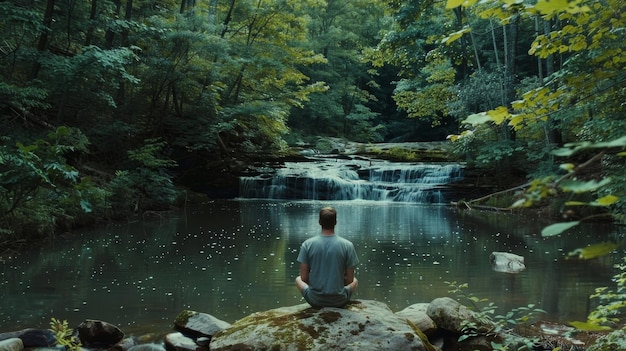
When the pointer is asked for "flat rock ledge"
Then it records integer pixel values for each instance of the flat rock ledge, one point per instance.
(362, 325)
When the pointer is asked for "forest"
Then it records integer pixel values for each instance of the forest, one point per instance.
(110, 108)
(114, 108)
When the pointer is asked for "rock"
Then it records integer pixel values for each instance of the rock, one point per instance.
(506, 262)
(12, 344)
(203, 341)
(179, 342)
(147, 347)
(123, 345)
(38, 338)
(416, 313)
(196, 324)
(363, 325)
(450, 315)
(98, 334)
(32, 337)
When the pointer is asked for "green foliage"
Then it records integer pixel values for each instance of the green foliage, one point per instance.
(615, 340)
(91, 78)
(509, 326)
(611, 308)
(38, 187)
(602, 189)
(148, 185)
(429, 97)
(64, 335)
(608, 314)
(348, 106)
(22, 98)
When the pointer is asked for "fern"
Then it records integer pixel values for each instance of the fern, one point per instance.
(64, 335)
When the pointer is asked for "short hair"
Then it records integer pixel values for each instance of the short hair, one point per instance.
(328, 218)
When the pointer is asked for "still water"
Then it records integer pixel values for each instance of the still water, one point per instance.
(232, 258)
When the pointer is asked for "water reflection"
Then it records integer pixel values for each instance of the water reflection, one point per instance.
(233, 258)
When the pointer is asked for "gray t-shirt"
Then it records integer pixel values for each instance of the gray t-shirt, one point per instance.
(328, 257)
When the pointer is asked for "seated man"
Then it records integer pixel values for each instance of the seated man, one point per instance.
(327, 264)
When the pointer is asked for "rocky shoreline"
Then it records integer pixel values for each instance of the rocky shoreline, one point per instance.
(363, 325)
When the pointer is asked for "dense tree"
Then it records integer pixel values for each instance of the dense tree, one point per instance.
(139, 79)
(580, 101)
(341, 31)
(203, 83)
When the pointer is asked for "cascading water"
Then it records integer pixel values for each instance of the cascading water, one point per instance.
(338, 179)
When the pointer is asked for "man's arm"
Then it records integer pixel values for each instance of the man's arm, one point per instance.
(304, 272)
(349, 276)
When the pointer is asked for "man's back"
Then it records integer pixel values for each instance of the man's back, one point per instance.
(327, 264)
(328, 257)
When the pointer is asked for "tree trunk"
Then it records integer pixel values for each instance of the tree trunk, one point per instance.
(554, 126)
(229, 17)
(110, 35)
(92, 18)
(495, 46)
(42, 45)
(128, 16)
(463, 66)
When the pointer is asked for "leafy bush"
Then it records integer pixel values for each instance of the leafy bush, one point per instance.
(614, 341)
(147, 186)
(611, 308)
(40, 190)
(509, 326)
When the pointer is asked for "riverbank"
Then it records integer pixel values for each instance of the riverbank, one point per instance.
(443, 324)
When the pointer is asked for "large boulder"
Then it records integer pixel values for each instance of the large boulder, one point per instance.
(14, 344)
(450, 315)
(452, 318)
(196, 324)
(179, 342)
(362, 325)
(32, 337)
(98, 334)
(416, 313)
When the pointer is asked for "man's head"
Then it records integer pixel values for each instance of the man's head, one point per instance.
(328, 218)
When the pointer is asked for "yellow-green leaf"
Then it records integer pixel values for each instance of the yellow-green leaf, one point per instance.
(519, 203)
(588, 326)
(558, 228)
(567, 166)
(576, 203)
(499, 114)
(593, 251)
(453, 137)
(607, 200)
(478, 118)
(455, 36)
(549, 7)
(581, 187)
(450, 4)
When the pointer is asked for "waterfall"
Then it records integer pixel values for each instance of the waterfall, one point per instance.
(338, 179)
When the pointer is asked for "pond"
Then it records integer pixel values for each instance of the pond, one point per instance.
(231, 258)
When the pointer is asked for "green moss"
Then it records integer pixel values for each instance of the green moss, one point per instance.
(183, 317)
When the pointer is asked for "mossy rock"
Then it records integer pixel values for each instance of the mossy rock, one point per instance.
(363, 325)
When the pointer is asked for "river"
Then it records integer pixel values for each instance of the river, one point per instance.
(231, 258)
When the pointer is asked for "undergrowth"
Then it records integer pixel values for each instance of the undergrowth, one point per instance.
(509, 327)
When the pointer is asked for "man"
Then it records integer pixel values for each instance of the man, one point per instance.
(327, 264)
